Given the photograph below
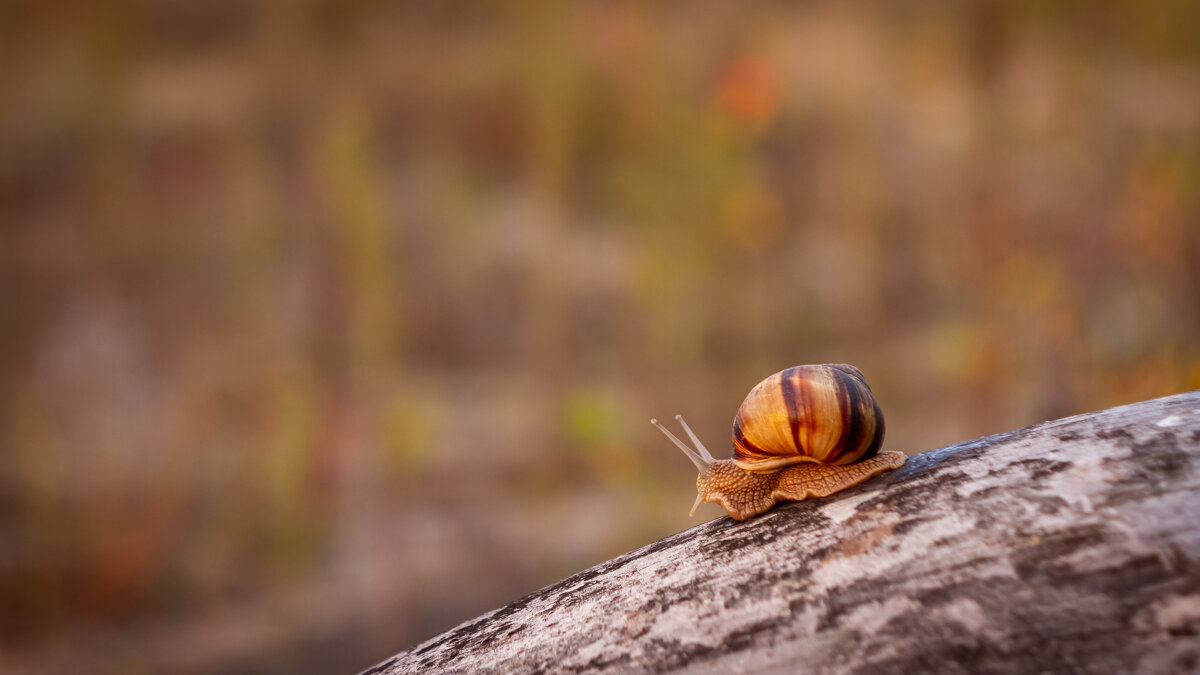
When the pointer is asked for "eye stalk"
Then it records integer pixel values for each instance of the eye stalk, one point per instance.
(700, 456)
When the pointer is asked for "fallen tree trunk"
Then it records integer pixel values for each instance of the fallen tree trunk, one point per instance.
(1068, 546)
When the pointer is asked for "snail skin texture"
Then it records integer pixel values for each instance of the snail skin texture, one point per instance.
(808, 431)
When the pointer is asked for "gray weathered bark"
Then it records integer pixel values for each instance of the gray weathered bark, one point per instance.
(1070, 546)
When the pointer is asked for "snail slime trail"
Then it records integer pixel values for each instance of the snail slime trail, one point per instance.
(807, 431)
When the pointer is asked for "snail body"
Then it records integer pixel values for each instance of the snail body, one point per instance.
(807, 431)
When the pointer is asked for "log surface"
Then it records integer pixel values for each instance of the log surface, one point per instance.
(1069, 546)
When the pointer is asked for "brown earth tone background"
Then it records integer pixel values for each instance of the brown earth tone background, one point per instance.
(326, 326)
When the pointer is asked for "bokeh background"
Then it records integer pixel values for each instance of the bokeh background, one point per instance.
(329, 325)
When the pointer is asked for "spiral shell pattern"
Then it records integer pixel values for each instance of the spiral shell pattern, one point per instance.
(824, 414)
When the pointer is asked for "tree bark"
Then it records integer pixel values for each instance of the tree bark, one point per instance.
(1069, 546)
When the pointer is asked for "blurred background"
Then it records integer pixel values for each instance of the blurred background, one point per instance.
(327, 326)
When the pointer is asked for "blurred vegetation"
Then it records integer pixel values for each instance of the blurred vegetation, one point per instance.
(328, 325)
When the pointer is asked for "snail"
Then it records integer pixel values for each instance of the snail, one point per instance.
(808, 431)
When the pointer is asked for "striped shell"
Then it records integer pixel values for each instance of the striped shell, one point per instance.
(823, 414)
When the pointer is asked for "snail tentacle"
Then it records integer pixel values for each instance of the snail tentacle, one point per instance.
(708, 458)
(699, 461)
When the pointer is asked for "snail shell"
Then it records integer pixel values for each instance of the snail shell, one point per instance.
(821, 414)
(808, 431)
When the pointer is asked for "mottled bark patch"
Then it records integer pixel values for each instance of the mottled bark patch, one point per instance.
(907, 497)
(1040, 468)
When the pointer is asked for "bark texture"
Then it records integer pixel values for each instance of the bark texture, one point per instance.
(1069, 546)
